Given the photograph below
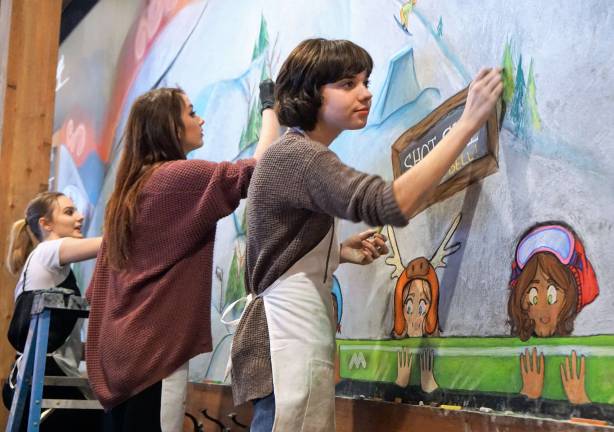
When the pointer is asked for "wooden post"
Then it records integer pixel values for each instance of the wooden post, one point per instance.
(29, 42)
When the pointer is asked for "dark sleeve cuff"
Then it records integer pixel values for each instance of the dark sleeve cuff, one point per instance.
(392, 214)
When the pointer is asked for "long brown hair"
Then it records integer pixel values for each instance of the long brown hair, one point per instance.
(520, 323)
(26, 233)
(153, 135)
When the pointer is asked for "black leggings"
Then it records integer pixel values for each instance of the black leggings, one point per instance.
(139, 413)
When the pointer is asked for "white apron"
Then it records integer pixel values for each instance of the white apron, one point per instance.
(300, 319)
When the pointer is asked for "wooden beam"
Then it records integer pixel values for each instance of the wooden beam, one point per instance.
(29, 34)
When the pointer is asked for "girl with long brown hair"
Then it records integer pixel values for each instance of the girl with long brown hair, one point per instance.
(551, 281)
(150, 293)
(42, 246)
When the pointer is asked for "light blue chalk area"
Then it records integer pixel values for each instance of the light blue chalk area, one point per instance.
(92, 172)
(443, 46)
(400, 87)
(547, 144)
(225, 105)
(71, 183)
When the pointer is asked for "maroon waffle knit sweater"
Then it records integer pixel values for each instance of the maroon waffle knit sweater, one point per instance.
(151, 318)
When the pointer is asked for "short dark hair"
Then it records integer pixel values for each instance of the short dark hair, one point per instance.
(312, 64)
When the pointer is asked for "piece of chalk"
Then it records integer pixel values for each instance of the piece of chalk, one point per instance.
(588, 421)
(485, 409)
(451, 407)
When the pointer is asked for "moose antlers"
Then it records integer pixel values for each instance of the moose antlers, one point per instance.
(443, 251)
(438, 259)
(394, 260)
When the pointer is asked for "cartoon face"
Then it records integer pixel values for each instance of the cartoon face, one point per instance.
(543, 300)
(416, 304)
(416, 294)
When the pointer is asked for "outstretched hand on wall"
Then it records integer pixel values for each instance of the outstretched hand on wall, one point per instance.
(532, 372)
(404, 361)
(427, 379)
(573, 379)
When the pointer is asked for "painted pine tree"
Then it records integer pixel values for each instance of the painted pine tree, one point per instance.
(235, 286)
(508, 74)
(263, 39)
(440, 27)
(518, 113)
(250, 133)
(531, 102)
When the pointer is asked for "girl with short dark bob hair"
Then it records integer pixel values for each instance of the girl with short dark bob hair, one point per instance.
(298, 85)
(284, 346)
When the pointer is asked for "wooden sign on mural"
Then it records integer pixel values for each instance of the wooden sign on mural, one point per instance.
(478, 160)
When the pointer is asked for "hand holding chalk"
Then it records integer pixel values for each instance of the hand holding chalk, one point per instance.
(363, 248)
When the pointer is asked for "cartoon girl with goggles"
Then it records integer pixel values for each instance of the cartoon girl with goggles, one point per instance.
(552, 280)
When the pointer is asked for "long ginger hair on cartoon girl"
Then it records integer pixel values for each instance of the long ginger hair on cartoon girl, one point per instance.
(416, 301)
(551, 281)
(416, 293)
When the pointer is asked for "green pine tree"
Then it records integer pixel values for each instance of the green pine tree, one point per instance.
(244, 221)
(508, 74)
(263, 39)
(440, 27)
(264, 74)
(235, 286)
(251, 132)
(518, 112)
(531, 101)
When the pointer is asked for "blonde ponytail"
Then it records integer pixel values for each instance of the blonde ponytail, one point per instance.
(21, 244)
(26, 233)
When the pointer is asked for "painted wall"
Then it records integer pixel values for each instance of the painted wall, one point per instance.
(555, 163)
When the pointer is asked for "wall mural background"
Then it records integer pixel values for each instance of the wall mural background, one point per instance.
(500, 295)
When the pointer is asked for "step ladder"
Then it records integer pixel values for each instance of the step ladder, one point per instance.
(32, 369)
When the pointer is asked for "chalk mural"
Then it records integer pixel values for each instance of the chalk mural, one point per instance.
(442, 319)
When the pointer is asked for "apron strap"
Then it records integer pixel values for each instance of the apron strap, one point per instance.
(247, 299)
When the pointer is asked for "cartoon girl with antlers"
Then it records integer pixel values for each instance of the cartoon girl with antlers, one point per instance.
(416, 303)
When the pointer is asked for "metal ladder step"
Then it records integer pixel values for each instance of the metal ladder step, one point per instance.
(64, 381)
(71, 404)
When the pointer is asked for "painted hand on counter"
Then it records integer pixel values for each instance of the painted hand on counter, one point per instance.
(404, 361)
(573, 382)
(427, 379)
(363, 248)
(532, 373)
